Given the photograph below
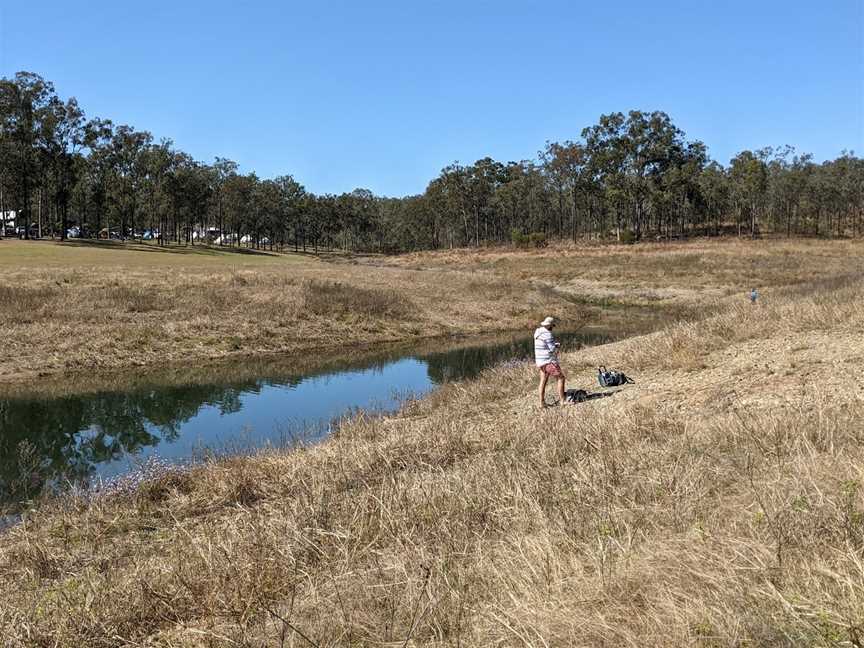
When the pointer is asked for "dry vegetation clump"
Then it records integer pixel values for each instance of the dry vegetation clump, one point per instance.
(324, 298)
(22, 304)
(161, 306)
(665, 515)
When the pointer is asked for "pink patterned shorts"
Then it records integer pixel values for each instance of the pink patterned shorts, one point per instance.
(552, 369)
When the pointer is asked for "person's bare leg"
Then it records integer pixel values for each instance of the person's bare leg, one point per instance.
(561, 396)
(544, 377)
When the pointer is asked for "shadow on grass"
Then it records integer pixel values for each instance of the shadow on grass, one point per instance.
(184, 249)
(581, 396)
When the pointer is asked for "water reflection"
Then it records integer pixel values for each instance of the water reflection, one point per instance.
(79, 436)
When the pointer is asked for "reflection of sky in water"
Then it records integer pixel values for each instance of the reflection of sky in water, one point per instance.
(106, 433)
(272, 413)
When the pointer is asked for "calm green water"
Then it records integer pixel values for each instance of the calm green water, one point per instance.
(108, 433)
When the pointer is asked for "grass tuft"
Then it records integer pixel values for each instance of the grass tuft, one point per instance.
(327, 299)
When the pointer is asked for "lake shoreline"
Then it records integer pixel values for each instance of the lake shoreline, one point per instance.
(638, 320)
(670, 490)
(73, 311)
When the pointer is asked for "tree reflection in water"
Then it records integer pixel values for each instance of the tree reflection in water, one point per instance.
(49, 440)
(44, 440)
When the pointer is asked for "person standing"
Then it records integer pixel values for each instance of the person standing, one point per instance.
(546, 350)
(753, 295)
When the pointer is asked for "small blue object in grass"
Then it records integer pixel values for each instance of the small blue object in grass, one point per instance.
(753, 295)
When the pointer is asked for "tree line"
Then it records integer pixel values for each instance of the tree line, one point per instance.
(631, 176)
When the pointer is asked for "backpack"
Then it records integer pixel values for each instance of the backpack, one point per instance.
(611, 378)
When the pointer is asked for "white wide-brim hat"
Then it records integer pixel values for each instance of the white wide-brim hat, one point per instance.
(548, 321)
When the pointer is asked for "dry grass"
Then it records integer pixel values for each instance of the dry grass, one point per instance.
(718, 502)
(328, 299)
(78, 307)
(657, 273)
(73, 308)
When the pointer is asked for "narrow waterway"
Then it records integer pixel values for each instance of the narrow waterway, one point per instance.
(107, 432)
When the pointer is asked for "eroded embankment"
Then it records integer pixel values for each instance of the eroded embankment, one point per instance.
(717, 501)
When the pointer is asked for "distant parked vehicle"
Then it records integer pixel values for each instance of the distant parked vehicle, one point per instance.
(33, 231)
(73, 232)
(112, 234)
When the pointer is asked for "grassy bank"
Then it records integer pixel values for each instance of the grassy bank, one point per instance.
(677, 274)
(717, 502)
(79, 307)
(75, 307)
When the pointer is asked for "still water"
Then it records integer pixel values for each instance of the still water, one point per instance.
(106, 433)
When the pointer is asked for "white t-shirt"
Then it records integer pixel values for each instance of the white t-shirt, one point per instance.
(545, 348)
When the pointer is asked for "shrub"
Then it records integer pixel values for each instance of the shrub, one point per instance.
(518, 238)
(627, 237)
(537, 239)
(534, 239)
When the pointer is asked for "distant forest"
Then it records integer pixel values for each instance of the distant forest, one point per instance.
(630, 176)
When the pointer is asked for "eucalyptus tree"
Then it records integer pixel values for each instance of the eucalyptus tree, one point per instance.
(325, 212)
(606, 153)
(568, 167)
(523, 202)
(679, 182)
(188, 188)
(749, 178)
(714, 186)
(294, 210)
(408, 224)
(237, 199)
(220, 171)
(126, 155)
(269, 211)
(63, 136)
(508, 200)
(484, 177)
(788, 177)
(631, 172)
(850, 177)
(359, 216)
(25, 104)
(157, 164)
(451, 194)
(94, 179)
(559, 180)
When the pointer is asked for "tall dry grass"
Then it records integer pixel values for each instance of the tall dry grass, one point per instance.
(81, 318)
(82, 308)
(327, 299)
(473, 519)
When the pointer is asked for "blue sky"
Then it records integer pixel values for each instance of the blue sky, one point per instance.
(382, 95)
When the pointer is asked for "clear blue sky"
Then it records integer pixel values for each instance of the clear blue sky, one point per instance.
(382, 95)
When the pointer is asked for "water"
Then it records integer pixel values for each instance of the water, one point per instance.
(105, 433)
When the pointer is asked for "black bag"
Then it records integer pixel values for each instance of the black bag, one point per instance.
(611, 378)
(576, 396)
